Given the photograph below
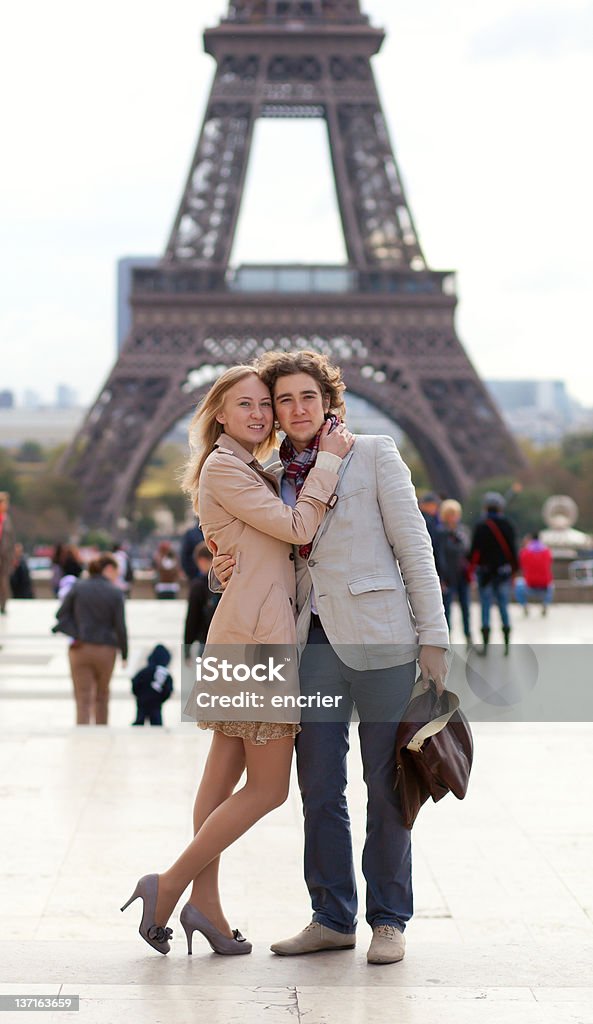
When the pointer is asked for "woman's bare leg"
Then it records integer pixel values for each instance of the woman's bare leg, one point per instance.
(268, 776)
(224, 767)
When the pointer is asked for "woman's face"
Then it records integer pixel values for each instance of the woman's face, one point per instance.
(246, 413)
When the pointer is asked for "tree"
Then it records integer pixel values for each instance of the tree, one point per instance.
(177, 503)
(30, 451)
(8, 476)
(144, 525)
(48, 491)
(97, 539)
(420, 477)
(577, 444)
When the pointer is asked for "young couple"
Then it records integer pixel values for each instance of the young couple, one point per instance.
(326, 574)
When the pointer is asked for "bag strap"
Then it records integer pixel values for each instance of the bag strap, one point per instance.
(502, 541)
(436, 725)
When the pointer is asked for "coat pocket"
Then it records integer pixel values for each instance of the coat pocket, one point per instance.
(275, 622)
(367, 584)
(352, 494)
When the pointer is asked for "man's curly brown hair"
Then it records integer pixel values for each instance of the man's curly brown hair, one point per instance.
(274, 365)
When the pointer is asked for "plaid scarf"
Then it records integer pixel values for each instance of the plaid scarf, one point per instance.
(298, 465)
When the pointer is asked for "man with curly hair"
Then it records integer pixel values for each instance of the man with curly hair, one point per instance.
(361, 629)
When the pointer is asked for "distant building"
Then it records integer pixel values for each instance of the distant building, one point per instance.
(540, 410)
(124, 289)
(6, 400)
(31, 399)
(49, 426)
(66, 398)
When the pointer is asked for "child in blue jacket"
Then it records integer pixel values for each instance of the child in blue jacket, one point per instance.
(152, 686)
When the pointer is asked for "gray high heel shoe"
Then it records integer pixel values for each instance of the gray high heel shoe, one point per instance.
(155, 935)
(192, 920)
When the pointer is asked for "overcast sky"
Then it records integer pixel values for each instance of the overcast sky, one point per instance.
(488, 111)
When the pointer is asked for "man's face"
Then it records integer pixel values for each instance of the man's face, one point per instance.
(300, 408)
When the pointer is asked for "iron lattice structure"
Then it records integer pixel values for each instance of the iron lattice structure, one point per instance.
(386, 318)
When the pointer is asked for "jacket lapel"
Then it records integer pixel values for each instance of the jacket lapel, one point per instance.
(270, 478)
(329, 514)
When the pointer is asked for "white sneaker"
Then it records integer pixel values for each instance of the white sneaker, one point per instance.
(315, 938)
(388, 945)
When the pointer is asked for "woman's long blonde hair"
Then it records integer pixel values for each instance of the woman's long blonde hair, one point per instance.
(204, 430)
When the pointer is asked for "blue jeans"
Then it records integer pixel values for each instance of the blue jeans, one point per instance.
(460, 590)
(523, 593)
(498, 592)
(380, 698)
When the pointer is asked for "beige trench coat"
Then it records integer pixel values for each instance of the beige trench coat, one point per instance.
(241, 514)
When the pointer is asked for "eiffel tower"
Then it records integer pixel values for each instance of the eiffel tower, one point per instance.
(385, 316)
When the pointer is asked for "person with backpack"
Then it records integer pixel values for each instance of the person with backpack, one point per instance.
(152, 686)
(494, 554)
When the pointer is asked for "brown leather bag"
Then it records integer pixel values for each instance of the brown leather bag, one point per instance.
(433, 750)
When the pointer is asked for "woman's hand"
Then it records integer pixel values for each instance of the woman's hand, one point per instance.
(223, 566)
(339, 442)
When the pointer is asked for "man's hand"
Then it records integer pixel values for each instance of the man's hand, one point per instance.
(433, 665)
(223, 566)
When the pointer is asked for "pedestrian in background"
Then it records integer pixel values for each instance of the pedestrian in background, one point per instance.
(92, 613)
(7, 542)
(66, 561)
(125, 576)
(201, 603)
(494, 554)
(152, 686)
(537, 581)
(429, 504)
(168, 573)
(190, 541)
(20, 578)
(454, 544)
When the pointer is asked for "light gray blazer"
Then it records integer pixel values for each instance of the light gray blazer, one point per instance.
(373, 537)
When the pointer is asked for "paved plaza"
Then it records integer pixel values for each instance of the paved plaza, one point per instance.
(503, 929)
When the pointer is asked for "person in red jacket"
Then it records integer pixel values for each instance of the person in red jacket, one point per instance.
(537, 581)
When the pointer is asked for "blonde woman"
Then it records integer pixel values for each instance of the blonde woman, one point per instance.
(454, 566)
(240, 512)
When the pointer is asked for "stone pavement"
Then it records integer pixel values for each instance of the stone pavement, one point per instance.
(503, 929)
